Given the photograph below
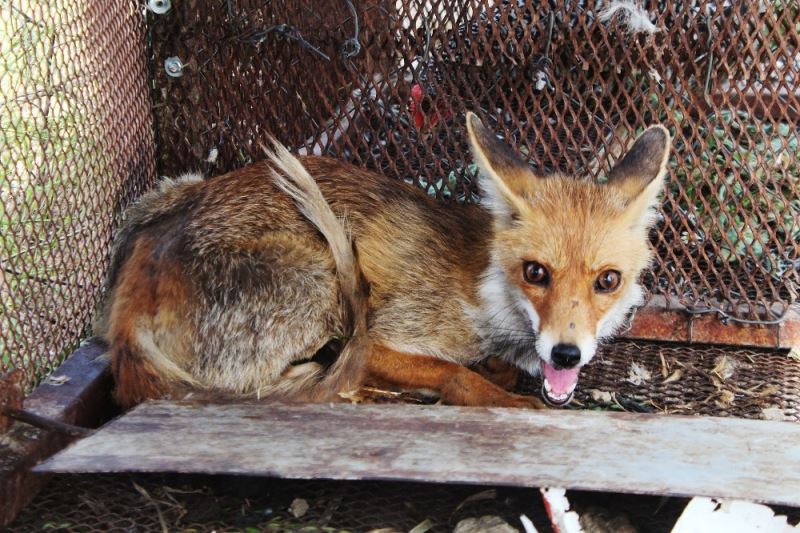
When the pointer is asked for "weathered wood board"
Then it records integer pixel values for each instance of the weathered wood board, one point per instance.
(620, 452)
(79, 393)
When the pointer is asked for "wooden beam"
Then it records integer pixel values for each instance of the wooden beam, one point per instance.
(603, 451)
(77, 393)
(665, 320)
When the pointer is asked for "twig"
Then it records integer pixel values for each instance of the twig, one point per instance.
(351, 47)
(46, 281)
(291, 33)
(41, 422)
(24, 15)
(141, 490)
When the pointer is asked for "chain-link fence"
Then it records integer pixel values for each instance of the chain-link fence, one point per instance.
(385, 84)
(75, 148)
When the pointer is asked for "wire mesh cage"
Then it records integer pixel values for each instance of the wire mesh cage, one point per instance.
(75, 148)
(97, 98)
(386, 84)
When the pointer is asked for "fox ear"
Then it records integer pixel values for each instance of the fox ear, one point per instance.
(644, 163)
(506, 176)
(640, 174)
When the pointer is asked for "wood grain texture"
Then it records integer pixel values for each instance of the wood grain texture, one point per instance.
(77, 393)
(621, 452)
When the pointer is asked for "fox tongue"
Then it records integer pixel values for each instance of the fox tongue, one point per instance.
(562, 381)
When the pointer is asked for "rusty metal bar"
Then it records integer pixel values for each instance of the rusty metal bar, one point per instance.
(77, 395)
(668, 320)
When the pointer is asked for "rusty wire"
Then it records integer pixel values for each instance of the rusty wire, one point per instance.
(569, 90)
(76, 144)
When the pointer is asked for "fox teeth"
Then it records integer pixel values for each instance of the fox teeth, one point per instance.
(549, 389)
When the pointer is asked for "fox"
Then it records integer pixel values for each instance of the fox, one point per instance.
(302, 278)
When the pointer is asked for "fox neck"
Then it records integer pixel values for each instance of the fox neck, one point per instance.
(507, 322)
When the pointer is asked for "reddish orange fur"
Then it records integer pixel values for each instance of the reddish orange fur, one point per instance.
(149, 288)
(456, 384)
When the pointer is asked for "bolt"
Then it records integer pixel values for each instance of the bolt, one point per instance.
(159, 7)
(174, 66)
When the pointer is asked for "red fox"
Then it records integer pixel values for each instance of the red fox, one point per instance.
(302, 278)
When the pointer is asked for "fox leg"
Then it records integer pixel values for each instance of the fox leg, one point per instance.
(456, 384)
(501, 373)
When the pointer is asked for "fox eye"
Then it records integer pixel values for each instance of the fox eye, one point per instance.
(535, 274)
(608, 281)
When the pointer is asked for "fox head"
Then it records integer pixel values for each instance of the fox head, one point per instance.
(567, 253)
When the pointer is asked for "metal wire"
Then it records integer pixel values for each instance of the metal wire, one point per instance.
(77, 146)
(568, 90)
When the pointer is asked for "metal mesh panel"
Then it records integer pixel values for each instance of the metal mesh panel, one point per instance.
(656, 377)
(385, 85)
(693, 380)
(185, 503)
(75, 147)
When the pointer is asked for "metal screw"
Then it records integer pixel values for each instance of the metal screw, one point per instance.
(159, 7)
(174, 66)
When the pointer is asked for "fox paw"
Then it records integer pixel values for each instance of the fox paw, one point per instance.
(527, 402)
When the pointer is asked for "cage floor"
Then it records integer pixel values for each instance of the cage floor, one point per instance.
(221, 503)
(123, 503)
(672, 378)
(692, 380)
(626, 375)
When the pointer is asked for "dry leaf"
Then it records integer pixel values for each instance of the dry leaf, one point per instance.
(489, 494)
(724, 366)
(57, 380)
(726, 398)
(638, 374)
(484, 524)
(422, 527)
(298, 508)
(675, 376)
(773, 413)
(664, 366)
(351, 396)
(767, 390)
(601, 396)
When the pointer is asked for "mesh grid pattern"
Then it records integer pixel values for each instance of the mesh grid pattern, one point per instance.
(693, 380)
(75, 148)
(671, 378)
(566, 85)
(200, 504)
(384, 85)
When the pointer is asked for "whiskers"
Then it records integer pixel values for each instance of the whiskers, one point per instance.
(503, 336)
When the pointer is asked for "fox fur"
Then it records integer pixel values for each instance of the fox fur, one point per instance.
(234, 285)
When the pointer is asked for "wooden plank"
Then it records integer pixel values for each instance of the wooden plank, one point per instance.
(620, 452)
(77, 393)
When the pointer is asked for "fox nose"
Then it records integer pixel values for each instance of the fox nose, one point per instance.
(565, 355)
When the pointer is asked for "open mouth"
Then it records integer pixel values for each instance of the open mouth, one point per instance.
(558, 384)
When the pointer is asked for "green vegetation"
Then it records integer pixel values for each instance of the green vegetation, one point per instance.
(48, 163)
(750, 203)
